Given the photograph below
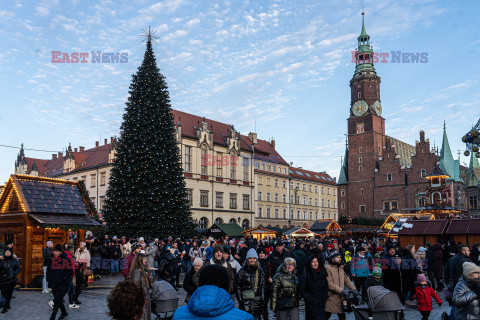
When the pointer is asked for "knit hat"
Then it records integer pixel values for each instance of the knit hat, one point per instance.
(469, 268)
(330, 246)
(227, 249)
(198, 262)
(58, 247)
(335, 242)
(217, 248)
(252, 254)
(214, 275)
(421, 278)
(9, 241)
(260, 250)
(422, 249)
(377, 272)
(333, 255)
(279, 243)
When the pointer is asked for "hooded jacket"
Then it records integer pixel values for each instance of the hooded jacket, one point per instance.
(424, 298)
(337, 280)
(466, 301)
(314, 289)
(245, 280)
(9, 269)
(360, 266)
(210, 302)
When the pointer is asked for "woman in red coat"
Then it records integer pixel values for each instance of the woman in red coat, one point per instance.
(423, 295)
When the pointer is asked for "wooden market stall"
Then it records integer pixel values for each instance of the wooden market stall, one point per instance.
(392, 219)
(325, 227)
(221, 230)
(299, 233)
(34, 210)
(419, 232)
(261, 233)
(465, 231)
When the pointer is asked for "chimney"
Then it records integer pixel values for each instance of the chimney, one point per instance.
(60, 154)
(253, 137)
(106, 141)
(97, 144)
(82, 149)
(75, 150)
(111, 139)
(54, 156)
(422, 136)
(272, 142)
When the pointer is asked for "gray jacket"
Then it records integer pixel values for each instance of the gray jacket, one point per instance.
(466, 301)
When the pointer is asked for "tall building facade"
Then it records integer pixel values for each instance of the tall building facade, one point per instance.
(381, 175)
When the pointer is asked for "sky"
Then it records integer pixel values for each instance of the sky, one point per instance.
(279, 68)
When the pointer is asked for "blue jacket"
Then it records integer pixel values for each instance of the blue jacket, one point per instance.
(361, 265)
(209, 253)
(210, 302)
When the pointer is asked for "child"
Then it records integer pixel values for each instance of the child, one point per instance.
(375, 279)
(423, 295)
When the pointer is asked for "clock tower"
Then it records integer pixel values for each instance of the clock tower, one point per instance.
(366, 128)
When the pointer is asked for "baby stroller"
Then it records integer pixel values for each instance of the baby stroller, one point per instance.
(164, 300)
(384, 305)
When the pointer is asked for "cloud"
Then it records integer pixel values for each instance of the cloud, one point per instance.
(193, 22)
(162, 7)
(41, 11)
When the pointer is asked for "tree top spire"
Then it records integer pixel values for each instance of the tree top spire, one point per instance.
(149, 34)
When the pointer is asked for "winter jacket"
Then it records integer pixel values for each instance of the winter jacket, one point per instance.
(300, 257)
(210, 302)
(424, 298)
(397, 279)
(167, 268)
(97, 251)
(337, 279)
(245, 280)
(285, 285)
(190, 283)
(276, 259)
(9, 269)
(372, 281)
(314, 290)
(127, 264)
(115, 252)
(360, 266)
(430, 256)
(234, 264)
(466, 301)
(83, 257)
(438, 260)
(454, 269)
(209, 252)
(194, 253)
(229, 268)
(47, 254)
(150, 254)
(59, 271)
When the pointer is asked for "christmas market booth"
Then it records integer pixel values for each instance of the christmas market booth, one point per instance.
(419, 232)
(299, 233)
(396, 220)
(222, 230)
(465, 231)
(261, 233)
(34, 210)
(326, 227)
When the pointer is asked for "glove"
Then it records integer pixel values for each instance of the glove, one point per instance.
(345, 293)
(356, 293)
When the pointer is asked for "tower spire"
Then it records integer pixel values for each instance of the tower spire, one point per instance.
(364, 52)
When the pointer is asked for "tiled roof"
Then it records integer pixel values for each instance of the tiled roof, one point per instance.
(320, 225)
(43, 218)
(424, 227)
(437, 171)
(464, 226)
(404, 150)
(311, 176)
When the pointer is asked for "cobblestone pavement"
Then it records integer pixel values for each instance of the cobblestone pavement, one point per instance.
(31, 305)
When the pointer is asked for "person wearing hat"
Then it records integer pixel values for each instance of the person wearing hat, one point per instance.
(59, 274)
(264, 264)
(466, 296)
(360, 269)
(227, 254)
(285, 291)
(300, 257)
(218, 259)
(423, 295)
(190, 283)
(6, 245)
(337, 280)
(211, 299)
(375, 279)
(9, 268)
(250, 286)
(276, 259)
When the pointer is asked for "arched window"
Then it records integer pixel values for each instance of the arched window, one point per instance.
(233, 220)
(218, 220)
(424, 173)
(203, 223)
(389, 177)
(245, 224)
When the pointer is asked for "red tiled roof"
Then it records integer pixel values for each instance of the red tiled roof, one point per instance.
(311, 175)
(464, 226)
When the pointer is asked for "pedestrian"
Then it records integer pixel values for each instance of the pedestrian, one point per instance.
(127, 301)
(186, 261)
(285, 297)
(9, 269)
(314, 288)
(423, 295)
(300, 257)
(337, 280)
(139, 273)
(115, 256)
(178, 260)
(190, 283)
(97, 254)
(127, 262)
(360, 269)
(454, 269)
(47, 255)
(264, 264)
(150, 253)
(168, 268)
(466, 296)
(276, 259)
(250, 285)
(394, 277)
(227, 254)
(72, 281)
(218, 259)
(59, 273)
(375, 279)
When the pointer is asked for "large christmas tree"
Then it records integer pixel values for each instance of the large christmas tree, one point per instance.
(146, 195)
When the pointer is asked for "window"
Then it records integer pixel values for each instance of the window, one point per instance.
(268, 212)
(257, 165)
(304, 187)
(83, 178)
(362, 191)
(311, 215)
(360, 159)
(268, 196)
(219, 199)
(276, 182)
(310, 201)
(204, 162)
(360, 128)
(269, 168)
(394, 205)
(343, 204)
(291, 199)
(203, 198)
(316, 202)
(423, 173)
(263, 166)
(233, 165)
(103, 178)
(284, 183)
(276, 197)
(219, 164)
(274, 169)
(189, 197)
(316, 189)
(323, 202)
(389, 177)
(260, 180)
(260, 212)
(310, 187)
(359, 149)
(323, 190)
(362, 208)
(297, 200)
(203, 223)
(245, 224)
(473, 202)
(298, 214)
(268, 181)
(188, 159)
(233, 201)
(386, 206)
(246, 202)
(259, 195)
(334, 203)
(284, 213)
(328, 203)
(245, 169)
(360, 168)
(328, 190)
(93, 180)
(291, 184)
(101, 202)
(233, 221)
(276, 213)
(305, 200)
(334, 192)
(284, 198)
(218, 220)
(343, 192)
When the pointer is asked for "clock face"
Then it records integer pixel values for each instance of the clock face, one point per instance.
(377, 107)
(359, 108)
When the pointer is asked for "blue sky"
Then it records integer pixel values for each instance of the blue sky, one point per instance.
(285, 64)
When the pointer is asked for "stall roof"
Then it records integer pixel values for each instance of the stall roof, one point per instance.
(303, 231)
(464, 226)
(262, 230)
(424, 227)
(230, 229)
(325, 225)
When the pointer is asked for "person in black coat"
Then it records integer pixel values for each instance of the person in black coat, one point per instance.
(96, 253)
(265, 265)
(167, 268)
(314, 288)
(9, 268)
(276, 259)
(59, 274)
(190, 283)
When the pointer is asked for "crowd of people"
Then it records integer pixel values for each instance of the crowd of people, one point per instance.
(259, 276)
